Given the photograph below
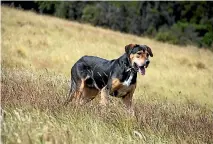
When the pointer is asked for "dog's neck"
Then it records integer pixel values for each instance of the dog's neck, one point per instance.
(125, 61)
(131, 74)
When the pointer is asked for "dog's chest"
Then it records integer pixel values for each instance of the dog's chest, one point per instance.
(123, 90)
(124, 87)
(128, 81)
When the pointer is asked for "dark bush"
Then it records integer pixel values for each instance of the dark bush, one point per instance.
(166, 35)
(91, 14)
(207, 40)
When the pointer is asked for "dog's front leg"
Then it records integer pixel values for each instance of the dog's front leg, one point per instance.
(127, 100)
(104, 95)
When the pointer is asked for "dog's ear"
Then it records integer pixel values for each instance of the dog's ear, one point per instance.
(149, 50)
(129, 47)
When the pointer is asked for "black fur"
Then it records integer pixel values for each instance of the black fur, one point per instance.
(98, 72)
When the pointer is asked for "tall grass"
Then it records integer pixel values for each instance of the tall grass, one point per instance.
(33, 112)
(173, 102)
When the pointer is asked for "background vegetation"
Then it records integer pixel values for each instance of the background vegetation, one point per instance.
(173, 22)
(173, 101)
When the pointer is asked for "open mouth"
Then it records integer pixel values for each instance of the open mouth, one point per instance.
(140, 69)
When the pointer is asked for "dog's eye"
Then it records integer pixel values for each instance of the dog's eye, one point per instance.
(139, 53)
(137, 56)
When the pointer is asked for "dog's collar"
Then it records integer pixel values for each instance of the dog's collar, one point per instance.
(128, 68)
(131, 70)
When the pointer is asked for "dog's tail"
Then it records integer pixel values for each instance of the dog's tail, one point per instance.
(71, 92)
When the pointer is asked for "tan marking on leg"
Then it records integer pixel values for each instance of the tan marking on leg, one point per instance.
(104, 96)
(88, 94)
(79, 91)
(116, 84)
(127, 99)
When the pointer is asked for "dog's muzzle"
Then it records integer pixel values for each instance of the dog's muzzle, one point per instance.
(141, 69)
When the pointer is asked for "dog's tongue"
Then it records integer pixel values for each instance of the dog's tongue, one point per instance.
(142, 70)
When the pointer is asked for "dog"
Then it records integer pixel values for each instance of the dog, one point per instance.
(92, 75)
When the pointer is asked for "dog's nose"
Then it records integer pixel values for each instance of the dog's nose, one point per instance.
(147, 62)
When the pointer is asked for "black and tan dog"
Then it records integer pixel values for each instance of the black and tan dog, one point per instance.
(91, 75)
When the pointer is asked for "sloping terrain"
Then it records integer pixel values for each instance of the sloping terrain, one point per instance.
(173, 101)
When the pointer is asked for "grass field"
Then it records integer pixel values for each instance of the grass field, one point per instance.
(173, 102)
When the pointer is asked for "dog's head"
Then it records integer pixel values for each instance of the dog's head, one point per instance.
(139, 56)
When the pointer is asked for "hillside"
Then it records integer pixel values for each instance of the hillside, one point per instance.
(37, 55)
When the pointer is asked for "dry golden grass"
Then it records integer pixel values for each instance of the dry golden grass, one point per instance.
(173, 101)
(33, 113)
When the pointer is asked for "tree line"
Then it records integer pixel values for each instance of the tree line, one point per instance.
(176, 22)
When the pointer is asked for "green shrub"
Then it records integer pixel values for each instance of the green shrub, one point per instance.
(166, 35)
(62, 10)
(163, 36)
(207, 40)
(91, 14)
(180, 33)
